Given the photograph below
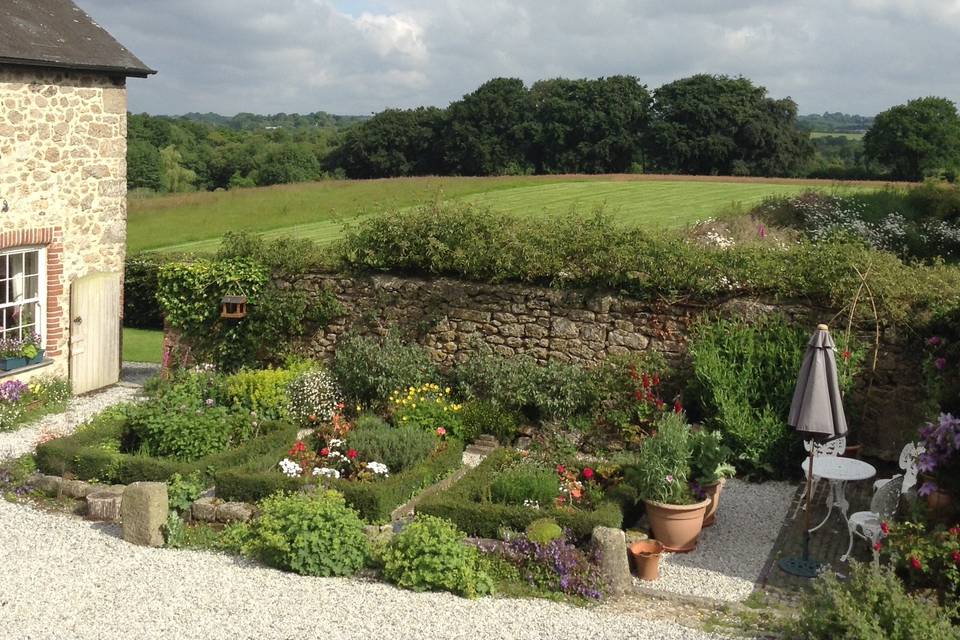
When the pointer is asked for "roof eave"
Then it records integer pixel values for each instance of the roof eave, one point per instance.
(130, 72)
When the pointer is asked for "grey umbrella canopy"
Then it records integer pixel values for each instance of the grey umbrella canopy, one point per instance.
(816, 411)
(817, 407)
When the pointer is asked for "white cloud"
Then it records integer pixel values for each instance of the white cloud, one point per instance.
(307, 55)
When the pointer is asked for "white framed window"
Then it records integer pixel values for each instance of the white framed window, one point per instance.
(23, 292)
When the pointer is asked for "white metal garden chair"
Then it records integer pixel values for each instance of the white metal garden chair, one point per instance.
(868, 524)
(829, 448)
(909, 456)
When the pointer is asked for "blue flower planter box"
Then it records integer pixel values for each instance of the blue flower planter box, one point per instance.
(9, 364)
(37, 359)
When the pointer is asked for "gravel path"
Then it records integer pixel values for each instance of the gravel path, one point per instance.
(730, 556)
(64, 578)
(81, 408)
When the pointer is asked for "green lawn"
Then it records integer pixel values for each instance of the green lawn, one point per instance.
(319, 210)
(142, 346)
(837, 134)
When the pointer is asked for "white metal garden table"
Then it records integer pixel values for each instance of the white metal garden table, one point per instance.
(839, 471)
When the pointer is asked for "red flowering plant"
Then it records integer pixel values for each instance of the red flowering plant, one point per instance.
(581, 487)
(330, 457)
(925, 558)
(632, 395)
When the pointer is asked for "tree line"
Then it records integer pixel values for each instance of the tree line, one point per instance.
(703, 125)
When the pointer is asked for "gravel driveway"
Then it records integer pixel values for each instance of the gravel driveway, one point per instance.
(67, 579)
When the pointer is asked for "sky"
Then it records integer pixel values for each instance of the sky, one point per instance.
(361, 56)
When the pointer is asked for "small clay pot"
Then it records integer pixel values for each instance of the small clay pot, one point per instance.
(646, 558)
(712, 492)
(852, 451)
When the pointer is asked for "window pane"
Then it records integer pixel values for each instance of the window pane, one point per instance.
(29, 314)
(11, 317)
(32, 263)
(27, 330)
(31, 287)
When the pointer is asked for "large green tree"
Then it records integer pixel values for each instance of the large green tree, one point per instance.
(395, 142)
(709, 124)
(916, 139)
(589, 126)
(488, 131)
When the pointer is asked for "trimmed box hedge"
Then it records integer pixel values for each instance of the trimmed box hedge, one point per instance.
(92, 454)
(466, 504)
(373, 500)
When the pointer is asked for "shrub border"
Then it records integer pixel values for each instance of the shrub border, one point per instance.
(81, 455)
(375, 501)
(461, 505)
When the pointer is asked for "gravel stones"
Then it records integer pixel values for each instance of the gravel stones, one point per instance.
(144, 512)
(611, 544)
(84, 583)
(731, 554)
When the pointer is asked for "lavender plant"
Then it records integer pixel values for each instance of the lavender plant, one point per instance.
(557, 565)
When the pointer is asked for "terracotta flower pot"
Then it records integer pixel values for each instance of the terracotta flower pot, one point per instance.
(646, 558)
(939, 501)
(852, 451)
(676, 526)
(713, 495)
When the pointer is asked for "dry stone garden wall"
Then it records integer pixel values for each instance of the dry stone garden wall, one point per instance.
(454, 319)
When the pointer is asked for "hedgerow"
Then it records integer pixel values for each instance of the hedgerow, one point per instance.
(466, 241)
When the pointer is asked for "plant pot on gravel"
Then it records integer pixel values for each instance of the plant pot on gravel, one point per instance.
(676, 526)
(646, 558)
(712, 492)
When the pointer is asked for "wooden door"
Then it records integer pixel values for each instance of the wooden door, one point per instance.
(94, 331)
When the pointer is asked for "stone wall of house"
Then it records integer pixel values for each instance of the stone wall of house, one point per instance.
(454, 319)
(63, 178)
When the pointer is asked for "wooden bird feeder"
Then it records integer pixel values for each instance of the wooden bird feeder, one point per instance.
(233, 307)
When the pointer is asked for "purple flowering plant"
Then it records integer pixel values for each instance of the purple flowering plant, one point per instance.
(557, 565)
(11, 391)
(940, 461)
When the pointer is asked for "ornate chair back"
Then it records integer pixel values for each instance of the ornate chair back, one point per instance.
(886, 498)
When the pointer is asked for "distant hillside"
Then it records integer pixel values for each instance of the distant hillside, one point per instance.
(291, 121)
(835, 122)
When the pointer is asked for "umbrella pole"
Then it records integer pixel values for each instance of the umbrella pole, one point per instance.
(806, 521)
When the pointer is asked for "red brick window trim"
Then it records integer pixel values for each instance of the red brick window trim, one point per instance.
(51, 238)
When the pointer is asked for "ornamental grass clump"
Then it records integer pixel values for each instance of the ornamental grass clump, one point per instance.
(430, 555)
(311, 534)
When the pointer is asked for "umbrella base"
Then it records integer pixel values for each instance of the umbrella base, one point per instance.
(802, 567)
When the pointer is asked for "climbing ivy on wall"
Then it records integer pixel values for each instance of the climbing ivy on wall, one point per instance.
(189, 294)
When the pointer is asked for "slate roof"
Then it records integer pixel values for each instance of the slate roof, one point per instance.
(58, 34)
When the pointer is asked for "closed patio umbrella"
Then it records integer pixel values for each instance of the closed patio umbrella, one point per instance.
(817, 413)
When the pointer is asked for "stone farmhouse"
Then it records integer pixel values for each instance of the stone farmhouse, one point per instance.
(63, 127)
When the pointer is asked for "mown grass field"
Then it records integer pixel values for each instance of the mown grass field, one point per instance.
(836, 134)
(319, 210)
(140, 345)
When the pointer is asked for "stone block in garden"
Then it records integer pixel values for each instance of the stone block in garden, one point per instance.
(104, 505)
(205, 509)
(77, 488)
(234, 512)
(614, 565)
(144, 512)
(49, 485)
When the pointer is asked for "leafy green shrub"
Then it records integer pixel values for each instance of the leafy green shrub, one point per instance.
(662, 472)
(541, 392)
(744, 378)
(427, 407)
(368, 370)
(480, 417)
(314, 397)
(261, 390)
(544, 531)
(399, 448)
(926, 557)
(310, 534)
(525, 483)
(430, 554)
(709, 457)
(140, 307)
(182, 491)
(870, 605)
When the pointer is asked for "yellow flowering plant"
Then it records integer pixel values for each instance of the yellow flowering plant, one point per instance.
(429, 407)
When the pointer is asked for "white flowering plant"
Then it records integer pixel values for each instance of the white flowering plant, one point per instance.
(333, 460)
(314, 398)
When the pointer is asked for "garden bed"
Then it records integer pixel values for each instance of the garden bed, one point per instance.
(467, 504)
